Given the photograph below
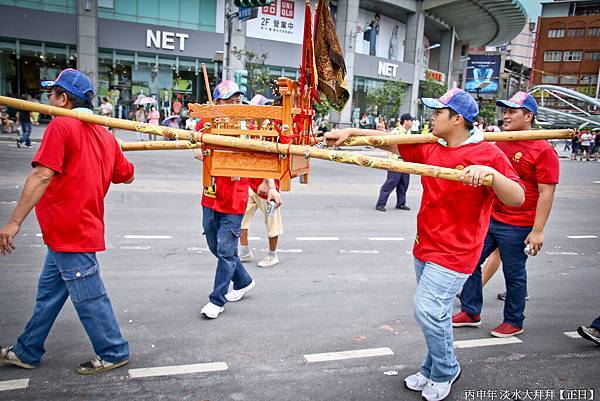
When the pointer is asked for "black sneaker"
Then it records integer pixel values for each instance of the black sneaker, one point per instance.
(589, 333)
(502, 296)
(18, 144)
(380, 208)
(403, 207)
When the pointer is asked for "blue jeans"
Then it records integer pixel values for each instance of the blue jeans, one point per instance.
(596, 323)
(222, 231)
(75, 275)
(26, 127)
(510, 240)
(436, 289)
(395, 181)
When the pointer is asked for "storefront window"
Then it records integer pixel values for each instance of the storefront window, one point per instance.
(360, 104)
(187, 14)
(24, 65)
(127, 78)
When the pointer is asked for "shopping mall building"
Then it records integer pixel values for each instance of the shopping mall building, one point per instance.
(120, 43)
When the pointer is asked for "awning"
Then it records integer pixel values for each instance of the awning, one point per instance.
(480, 22)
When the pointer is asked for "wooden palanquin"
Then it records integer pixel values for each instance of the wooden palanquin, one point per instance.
(268, 123)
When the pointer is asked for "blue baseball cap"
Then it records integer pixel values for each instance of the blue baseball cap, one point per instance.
(458, 101)
(520, 100)
(73, 81)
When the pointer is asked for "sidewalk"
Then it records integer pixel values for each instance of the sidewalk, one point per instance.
(37, 132)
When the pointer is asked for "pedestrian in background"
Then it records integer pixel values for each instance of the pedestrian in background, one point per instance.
(395, 180)
(25, 119)
(140, 117)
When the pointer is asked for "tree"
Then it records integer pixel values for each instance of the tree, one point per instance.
(488, 113)
(432, 88)
(388, 98)
(259, 77)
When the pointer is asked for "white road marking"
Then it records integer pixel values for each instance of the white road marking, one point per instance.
(553, 253)
(178, 370)
(386, 239)
(285, 250)
(148, 237)
(8, 202)
(143, 248)
(39, 235)
(360, 251)
(317, 238)
(14, 384)
(338, 356)
(596, 182)
(485, 342)
(254, 238)
(582, 236)
(572, 334)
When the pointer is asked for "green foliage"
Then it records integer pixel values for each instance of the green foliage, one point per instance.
(388, 98)
(488, 112)
(432, 88)
(322, 108)
(259, 80)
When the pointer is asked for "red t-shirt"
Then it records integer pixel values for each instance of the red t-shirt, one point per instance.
(86, 159)
(227, 195)
(454, 218)
(536, 162)
(255, 183)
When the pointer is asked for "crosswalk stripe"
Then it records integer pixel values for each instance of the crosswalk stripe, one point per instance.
(14, 384)
(317, 238)
(572, 334)
(341, 355)
(148, 237)
(582, 236)
(178, 370)
(485, 342)
(386, 239)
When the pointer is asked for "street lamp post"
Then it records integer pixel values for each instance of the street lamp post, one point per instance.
(480, 86)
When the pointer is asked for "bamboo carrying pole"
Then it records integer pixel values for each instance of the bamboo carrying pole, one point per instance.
(192, 139)
(386, 140)
(206, 84)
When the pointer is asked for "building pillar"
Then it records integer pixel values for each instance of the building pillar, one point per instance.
(87, 40)
(413, 53)
(235, 37)
(346, 23)
(447, 55)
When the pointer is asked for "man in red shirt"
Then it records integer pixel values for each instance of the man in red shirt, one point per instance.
(223, 207)
(514, 228)
(451, 226)
(72, 171)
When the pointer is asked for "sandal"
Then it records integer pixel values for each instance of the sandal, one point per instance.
(8, 356)
(97, 365)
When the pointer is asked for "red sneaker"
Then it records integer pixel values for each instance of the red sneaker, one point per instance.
(506, 330)
(464, 319)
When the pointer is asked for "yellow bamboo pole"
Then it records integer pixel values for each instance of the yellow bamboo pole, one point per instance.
(309, 152)
(388, 140)
(192, 139)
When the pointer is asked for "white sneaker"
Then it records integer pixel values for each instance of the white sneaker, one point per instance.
(434, 391)
(236, 295)
(416, 382)
(268, 261)
(211, 310)
(247, 257)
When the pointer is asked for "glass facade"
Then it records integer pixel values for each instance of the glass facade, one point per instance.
(57, 6)
(123, 77)
(187, 14)
(23, 65)
(360, 104)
